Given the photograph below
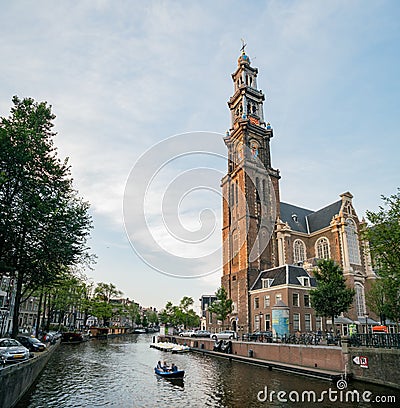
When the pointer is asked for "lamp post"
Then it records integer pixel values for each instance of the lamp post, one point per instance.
(261, 315)
(366, 323)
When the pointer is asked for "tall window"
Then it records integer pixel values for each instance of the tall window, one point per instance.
(256, 303)
(307, 322)
(295, 299)
(318, 323)
(299, 251)
(266, 301)
(296, 321)
(307, 301)
(360, 299)
(235, 248)
(278, 297)
(322, 248)
(352, 242)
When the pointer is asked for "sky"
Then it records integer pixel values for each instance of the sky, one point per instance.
(140, 88)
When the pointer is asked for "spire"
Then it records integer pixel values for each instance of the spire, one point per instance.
(243, 59)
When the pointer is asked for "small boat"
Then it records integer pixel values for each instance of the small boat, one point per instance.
(180, 349)
(169, 374)
(74, 337)
(139, 331)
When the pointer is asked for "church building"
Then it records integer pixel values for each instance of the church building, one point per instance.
(270, 248)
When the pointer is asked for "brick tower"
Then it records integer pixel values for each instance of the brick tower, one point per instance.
(250, 194)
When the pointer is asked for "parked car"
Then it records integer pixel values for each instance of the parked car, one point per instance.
(188, 333)
(225, 334)
(202, 333)
(31, 343)
(12, 351)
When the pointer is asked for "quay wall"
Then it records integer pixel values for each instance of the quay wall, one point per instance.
(321, 357)
(383, 363)
(16, 379)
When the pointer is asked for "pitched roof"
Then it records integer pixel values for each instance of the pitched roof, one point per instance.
(283, 275)
(303, 220)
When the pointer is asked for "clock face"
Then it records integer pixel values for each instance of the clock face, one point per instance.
(254, 149)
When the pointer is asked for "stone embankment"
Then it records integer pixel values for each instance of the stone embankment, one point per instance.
(322, 361)
(16, 379)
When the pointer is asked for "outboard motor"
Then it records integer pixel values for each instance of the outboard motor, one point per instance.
(227, 347)
(217, 345)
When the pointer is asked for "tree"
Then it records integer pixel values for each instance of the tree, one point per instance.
(180, 315)
(221, 307)
(44, 225)
(383, 236)
(101, 306)
(132, 311)
(332, 296)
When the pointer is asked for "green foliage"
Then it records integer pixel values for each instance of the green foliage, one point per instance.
(223, 306)
(106, 291)
(180, 315)
(132, 311)
(44, 225)
(332, 296)
(152, 317)
(383, 236)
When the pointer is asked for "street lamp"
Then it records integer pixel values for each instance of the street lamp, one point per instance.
(366, 323)
(261, 315)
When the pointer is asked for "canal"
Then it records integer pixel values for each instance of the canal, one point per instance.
(119, 372)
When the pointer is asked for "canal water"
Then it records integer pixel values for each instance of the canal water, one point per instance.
(119, 372)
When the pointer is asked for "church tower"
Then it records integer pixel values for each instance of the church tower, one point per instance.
(250, 194)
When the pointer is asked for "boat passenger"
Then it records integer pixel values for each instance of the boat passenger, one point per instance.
(159, 366)
(165, 367)
(174, 367)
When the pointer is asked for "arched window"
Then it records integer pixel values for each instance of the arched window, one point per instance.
(237, 192)
(264, 187)
(322, 248)
(352, 242)
(299, 251)
(360, 299)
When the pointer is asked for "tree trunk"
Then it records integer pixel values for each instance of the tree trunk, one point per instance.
(39, 312)
(17, 302)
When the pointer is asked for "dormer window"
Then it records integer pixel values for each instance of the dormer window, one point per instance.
(295, 218)
(304, 281)
(266, 283)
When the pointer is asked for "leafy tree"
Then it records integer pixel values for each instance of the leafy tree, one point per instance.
(103, 293)
(180, 315)
(383, 235)
(152, 317)
(221, 307)
(44, 225)
(102, 310)
(332, 296)
(132, 311)
(106, 291)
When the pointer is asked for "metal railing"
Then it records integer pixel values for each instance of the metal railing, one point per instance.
(376, 340)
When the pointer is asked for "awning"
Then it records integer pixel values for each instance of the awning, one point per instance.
(343, 320)
(363, 320)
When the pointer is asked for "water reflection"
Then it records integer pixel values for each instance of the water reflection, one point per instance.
(120, 373)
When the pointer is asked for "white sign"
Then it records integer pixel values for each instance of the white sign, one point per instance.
(362, 361)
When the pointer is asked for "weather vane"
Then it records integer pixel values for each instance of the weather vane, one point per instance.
(243, 45)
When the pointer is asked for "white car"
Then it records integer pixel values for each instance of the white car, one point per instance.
(12, 351)
(225, 334)
(188, 333)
